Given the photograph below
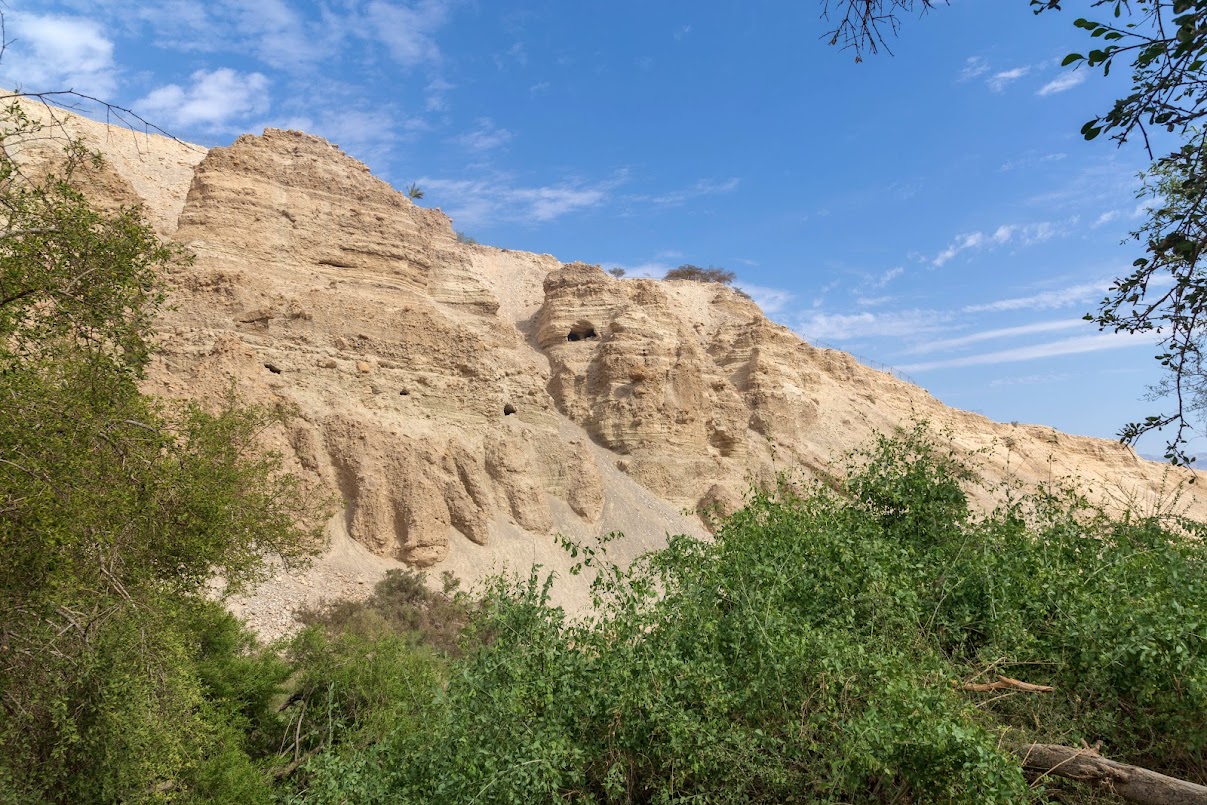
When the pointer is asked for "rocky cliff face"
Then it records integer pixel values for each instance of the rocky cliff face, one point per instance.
(467, 403)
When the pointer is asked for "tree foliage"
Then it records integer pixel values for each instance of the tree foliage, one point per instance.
(826, 647)
(1164, 44)
(697, 274)
(119, 679)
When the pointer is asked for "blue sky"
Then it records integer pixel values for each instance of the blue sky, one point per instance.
(935, 211)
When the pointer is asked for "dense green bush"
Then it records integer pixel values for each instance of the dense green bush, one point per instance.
(364, 670)
(119, 680)
(818, 650)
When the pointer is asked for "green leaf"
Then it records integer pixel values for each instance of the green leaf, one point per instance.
(1072, 57)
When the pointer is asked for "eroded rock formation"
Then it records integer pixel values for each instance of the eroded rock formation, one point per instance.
(465, 403)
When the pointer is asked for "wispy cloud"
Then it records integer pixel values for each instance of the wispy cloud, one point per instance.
(1066, 81)
(771, 300)
(1026, 235)
(1031, 159)
(1067, 346)
(517, 54)
(214, 100)
(974, 67)
(848, 327)
(55, 52)
(485, 136)
(1046, 300)
(945, 344)
(547, 203)
(962, 243)
(408, 30)
(1105, 218)
(999, 81)
(703, 187)
(436, 95)
(1030, 380)
(887, 277)
(873, 301)
(478, 202)
(281, 36)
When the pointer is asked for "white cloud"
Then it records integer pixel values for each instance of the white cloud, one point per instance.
(1031, 159)
(516, 54)
(53, 52)
(1047, 300)
(214, 100)
(1030, 380)
(477, 202)
(887, 277)
(999, 81)
(408, 31)
(1060, 84)
(993, 335)
(1144, 207)
(437, 95)
(703, 187)
(771, 300)
(974, 67)
(485, 136)
(962, 243)
(873, 301)
(282, 37)
(1026, 235)
(846, 327)
(547, 203)
(1067, 346)
(1105, 218)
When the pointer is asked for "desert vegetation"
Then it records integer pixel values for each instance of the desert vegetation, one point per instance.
(874, 643)
(697, 274)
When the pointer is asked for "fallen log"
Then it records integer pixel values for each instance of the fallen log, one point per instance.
(1006, 683)
(1130, 782)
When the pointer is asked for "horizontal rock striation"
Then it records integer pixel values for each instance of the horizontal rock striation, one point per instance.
(465, 403)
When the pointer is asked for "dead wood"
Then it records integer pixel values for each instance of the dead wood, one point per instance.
(1130, 782)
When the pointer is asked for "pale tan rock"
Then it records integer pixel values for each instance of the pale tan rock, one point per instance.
(465, 403)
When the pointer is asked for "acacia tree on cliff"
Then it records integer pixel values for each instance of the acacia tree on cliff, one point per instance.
(1164, 42)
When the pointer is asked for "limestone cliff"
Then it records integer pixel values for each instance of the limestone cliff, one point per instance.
(467, 403)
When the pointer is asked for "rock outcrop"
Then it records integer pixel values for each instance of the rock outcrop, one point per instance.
(467, 403)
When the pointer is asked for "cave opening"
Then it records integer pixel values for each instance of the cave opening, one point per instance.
(581, 332)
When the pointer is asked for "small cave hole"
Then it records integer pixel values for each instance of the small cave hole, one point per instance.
(582, 331)
(508, 409)
(403, 393)
(272, 368)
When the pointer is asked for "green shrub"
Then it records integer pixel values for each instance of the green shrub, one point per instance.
(697, 274)
(119, 681)
(817, 650)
